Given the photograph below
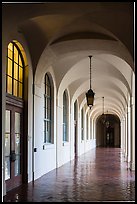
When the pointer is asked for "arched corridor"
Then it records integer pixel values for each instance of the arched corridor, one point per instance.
(52, 53)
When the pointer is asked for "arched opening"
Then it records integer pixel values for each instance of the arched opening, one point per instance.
(65, 117)
(48, 109)
(75, 128)
(16, 120)
(108, 131)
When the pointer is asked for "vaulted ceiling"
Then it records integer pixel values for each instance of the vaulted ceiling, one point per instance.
(63, 35)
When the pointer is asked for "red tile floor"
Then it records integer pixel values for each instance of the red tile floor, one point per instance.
(99, 175)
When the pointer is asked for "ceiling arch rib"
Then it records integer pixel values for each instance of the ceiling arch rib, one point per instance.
(101, 86)
(98, 109)
(78, 49)
(109, 100)
(80, 86)
(95, 117)
(80, 94)
(113, 95)
(99, 70)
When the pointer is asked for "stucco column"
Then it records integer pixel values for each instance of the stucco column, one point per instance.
(129, 136)
(126, 134)
(79, 132)
(59, 136)
(122, 134)
(132, 163)
(4, 52)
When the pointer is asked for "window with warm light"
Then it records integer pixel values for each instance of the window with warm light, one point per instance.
(14, 72)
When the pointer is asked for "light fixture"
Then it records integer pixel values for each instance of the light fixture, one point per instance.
(103, 115)
(90, 94)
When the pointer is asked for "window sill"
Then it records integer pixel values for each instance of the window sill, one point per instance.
(65, 143)
(48, 146)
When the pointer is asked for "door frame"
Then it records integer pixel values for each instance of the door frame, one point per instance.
(18, 104)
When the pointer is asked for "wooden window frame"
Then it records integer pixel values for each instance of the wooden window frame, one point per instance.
(47, 119)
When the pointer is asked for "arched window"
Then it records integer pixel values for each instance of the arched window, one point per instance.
(16, 116)
(75, 110)
(65, 117)
(82, 124)
(47, 112)
(14, 71)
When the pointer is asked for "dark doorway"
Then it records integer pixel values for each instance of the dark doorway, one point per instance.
(110, 137)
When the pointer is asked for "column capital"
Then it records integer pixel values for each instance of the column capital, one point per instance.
(132, 101)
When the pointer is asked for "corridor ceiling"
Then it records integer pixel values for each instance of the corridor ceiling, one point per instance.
(63, 35)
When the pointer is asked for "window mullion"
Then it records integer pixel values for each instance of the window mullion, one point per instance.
(13, 70)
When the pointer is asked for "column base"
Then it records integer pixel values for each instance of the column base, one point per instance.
(125, 158)
(132, 166)
(128, 165)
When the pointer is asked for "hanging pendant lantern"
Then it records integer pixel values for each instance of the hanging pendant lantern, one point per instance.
(90, 94)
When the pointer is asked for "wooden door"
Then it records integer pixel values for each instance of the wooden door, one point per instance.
(13, 146)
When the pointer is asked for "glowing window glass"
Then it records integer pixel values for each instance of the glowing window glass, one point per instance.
(14, 73)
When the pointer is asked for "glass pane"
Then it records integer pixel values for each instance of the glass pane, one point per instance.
(9, 67)
(17, 122)
(20, 61)
(20, 90)
(20, 74)
(17, 143)
(10, 50)
(49, 116)
(47, 81)
(15, 91)
(17, 165)
(64, 132)
(15, 71)
(48, 131)
(15, 55)
(49, 102)
(7, 168)
(7, 144)
(10, 53)
(46, 102)
(47, 91)
(7, 121)
(9, 85)
(44, 131)
(46, 113)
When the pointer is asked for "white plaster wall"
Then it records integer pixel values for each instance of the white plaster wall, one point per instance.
(30, 104)
(82, 147)
(44, 159)
(63, 148)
